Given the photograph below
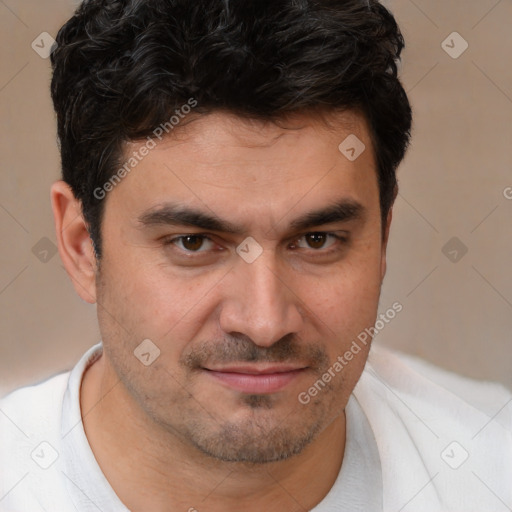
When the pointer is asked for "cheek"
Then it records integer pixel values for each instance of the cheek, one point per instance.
(345, 302)
(348, 305)
(159, 303)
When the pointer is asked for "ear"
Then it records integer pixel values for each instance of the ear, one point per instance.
(75, 245)
(385, 237)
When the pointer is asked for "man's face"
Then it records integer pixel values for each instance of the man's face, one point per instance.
(243, 326)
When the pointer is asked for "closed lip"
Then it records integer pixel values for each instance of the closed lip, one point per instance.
(256, 379)
(256, 370)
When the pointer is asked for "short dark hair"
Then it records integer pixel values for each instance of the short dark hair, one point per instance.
(121, 68)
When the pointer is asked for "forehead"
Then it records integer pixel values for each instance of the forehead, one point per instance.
(238, 167)
(211, 135)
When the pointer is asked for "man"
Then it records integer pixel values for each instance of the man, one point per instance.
(228, 182)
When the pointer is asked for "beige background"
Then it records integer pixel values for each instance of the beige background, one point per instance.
(457, 315)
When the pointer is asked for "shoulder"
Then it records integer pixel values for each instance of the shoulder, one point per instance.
(413, 376)
(30, 419)
(437, 431)
(41, 389)
(35, 451)
(32, 407)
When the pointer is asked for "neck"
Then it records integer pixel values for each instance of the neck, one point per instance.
(150, 468)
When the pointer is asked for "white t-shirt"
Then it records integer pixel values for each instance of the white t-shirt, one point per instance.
(408, 445)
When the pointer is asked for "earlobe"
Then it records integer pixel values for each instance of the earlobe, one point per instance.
(75, 245)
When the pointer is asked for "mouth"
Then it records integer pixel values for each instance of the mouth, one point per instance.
(256, 379)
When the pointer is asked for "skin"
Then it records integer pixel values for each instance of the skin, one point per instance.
(194, 440)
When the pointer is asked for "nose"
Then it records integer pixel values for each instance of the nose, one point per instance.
(259, 303)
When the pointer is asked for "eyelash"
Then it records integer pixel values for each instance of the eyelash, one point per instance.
(343, 240)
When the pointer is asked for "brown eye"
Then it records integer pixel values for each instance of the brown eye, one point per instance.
(191, 243)
(316, 240)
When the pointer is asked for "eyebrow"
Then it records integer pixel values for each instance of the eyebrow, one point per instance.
(174, 214)
(344, 210)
